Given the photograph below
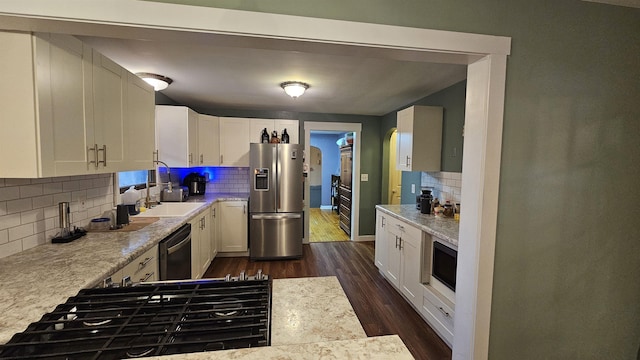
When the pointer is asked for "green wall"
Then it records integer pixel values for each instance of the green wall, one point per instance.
(568, 236)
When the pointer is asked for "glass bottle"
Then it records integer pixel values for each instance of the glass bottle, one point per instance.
(264, 137)
(285, 136)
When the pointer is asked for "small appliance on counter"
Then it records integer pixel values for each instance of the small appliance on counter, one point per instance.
(131, 198)
(66, 234)
(196, 183)
(175, 194)
(424, 201)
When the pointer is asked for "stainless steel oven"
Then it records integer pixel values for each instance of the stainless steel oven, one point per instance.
(175, 255)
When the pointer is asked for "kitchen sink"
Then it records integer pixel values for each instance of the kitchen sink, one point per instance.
(169, 209)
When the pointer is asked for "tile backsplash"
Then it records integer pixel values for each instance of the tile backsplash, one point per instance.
(29, 207)
(228, 180)
(445, 185)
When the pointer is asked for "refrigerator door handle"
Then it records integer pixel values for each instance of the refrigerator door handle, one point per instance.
(276, 216)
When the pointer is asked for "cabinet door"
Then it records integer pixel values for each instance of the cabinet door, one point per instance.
(214, 231)
(411, 251)
(233, 226)
(208, 140)
(205, 241)
(196, 225)
(109, 84)
(381, 242)
(140, 140)
(394, 237)
(234, 141)
(405, 139)
(293, 129)
(176, 128)
(65, 101)
(256, 127)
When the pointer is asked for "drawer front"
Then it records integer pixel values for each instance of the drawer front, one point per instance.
(439, 309)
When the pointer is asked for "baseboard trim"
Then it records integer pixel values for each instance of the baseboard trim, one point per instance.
(365, 238)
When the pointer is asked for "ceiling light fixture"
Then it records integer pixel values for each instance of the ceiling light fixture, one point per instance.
(294, 88)
(158, 82)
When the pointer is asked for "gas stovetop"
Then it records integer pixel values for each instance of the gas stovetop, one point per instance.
(151, 319)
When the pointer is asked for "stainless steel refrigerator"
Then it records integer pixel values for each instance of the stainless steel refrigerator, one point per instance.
(276, 201)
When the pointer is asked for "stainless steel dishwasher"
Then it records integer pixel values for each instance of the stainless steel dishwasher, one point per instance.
(175, 255)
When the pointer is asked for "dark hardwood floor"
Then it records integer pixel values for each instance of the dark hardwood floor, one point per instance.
(380, 308)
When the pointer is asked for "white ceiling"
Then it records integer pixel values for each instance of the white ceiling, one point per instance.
(225, 74)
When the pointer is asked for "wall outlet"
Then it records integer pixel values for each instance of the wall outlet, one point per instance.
(83, 205)
(364, 177)
(413, 188)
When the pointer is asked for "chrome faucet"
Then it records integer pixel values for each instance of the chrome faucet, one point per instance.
(169, 184)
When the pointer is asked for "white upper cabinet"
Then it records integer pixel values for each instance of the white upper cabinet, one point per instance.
(140, 139)
(258, 125)
(235, 137)
(419, 138)
(293, 129)
(208, 140)
(63, 108)
(109, 86)
(177, 134)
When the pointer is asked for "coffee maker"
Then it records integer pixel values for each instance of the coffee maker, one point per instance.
(424, 201)
(196, 183)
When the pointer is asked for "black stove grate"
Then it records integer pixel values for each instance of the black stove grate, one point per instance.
(150, 320)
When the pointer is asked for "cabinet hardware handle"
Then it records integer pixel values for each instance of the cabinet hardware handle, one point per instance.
(443, 311)
(400, 247)
(104, 155)
(396, 242)
(95, 156)
(244, 209)
(156, 156)
(147, 276)
(201, 158)
(144, 262)
(383, 221)
(221, 159)
(190, 158)
(408, 161)
(214, 212)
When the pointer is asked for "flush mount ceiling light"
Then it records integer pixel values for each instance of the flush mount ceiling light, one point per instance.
(158, 82)
(294, 88)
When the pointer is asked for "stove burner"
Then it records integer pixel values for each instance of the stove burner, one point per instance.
(140, 354)
(150, 319)
(228, 307)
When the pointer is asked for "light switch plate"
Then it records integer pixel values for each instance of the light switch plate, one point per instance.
(413, 188)
(364, 177)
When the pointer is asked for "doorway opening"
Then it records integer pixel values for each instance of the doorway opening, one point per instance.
(324, 177)
(394, 191)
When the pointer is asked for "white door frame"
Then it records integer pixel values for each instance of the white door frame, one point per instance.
(356, 128)
(486, 56)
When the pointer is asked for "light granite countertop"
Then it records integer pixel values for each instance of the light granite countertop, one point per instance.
(35, 281)
(444, 228)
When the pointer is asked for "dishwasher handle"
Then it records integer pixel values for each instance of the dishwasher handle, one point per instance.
(179, 245)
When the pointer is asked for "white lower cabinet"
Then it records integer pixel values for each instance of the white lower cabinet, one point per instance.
(398, 256)
(404, 251)
(215, 231)
(200, 244)
(233, 226)
(143, 268)
(439, 313)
